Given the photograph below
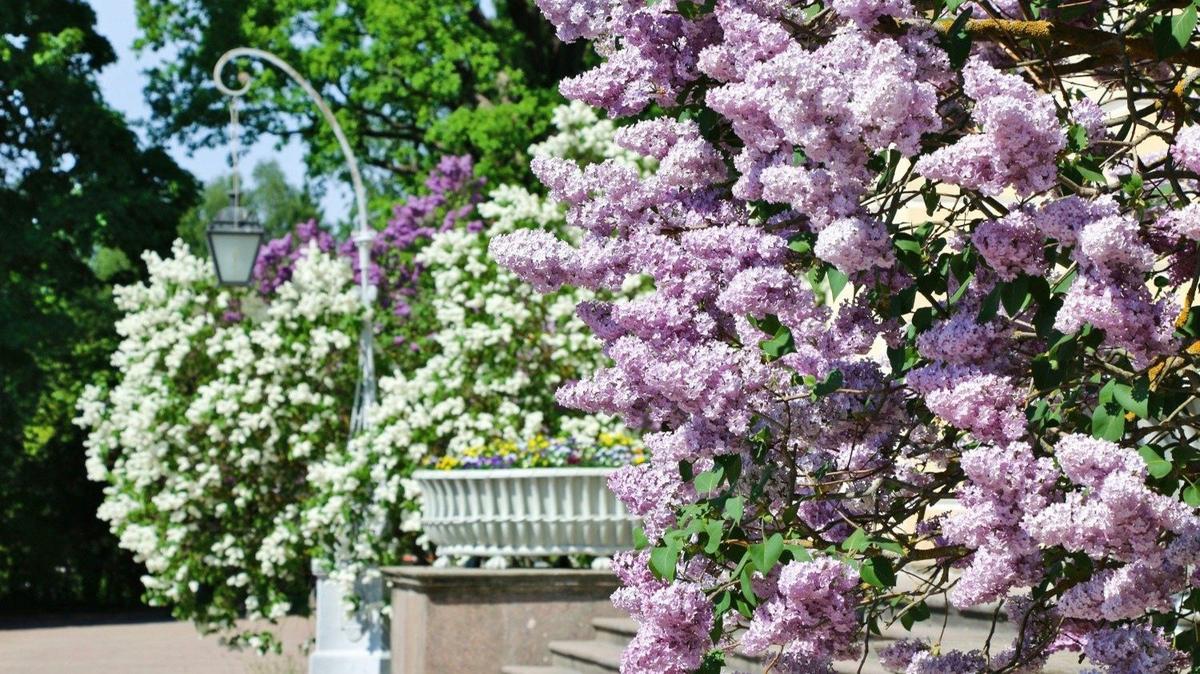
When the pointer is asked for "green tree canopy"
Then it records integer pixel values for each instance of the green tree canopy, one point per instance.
(79, 198)
(410, 80)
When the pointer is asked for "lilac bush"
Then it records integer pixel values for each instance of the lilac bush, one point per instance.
(452, 193)
(921, 324)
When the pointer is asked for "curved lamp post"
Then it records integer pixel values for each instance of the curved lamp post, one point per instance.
(344, 645)
(364, 394)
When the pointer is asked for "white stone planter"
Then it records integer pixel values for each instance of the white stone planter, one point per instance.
(523, 512)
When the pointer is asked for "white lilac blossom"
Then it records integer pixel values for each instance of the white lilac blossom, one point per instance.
(208, 440)
(499, 350)
(225, 440)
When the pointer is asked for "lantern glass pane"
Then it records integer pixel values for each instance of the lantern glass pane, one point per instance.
(234, 254)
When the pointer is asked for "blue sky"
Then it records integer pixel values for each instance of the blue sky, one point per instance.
(122, 84)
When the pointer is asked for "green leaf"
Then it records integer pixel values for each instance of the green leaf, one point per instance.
(1132, 184)
(1134, 398)
(747, 586)
(1191, 496)
(693, 10)
(1015, 295)
(1077, 137)
(1064, 283)
(732, 464)
(915, 614)
(714, 661)
(989, 307)
(856, 542)
(639, 538)
(877, 571)
(1108, 422)
(779, 345)
(1182, 26)
(1155, 463)
(766, 554)
(957, 41)
(962, 290)
(722, 605)
(837, 281)
(1090, 171)
(709, 479)
(714, 530)
(685, 471)
(735, 508)
(831, 383)
(930, 196)
(799, 552)
(800, 246)
(663, 561)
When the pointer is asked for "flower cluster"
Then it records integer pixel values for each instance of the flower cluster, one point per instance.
(207, 439)
(495, 353)
(453, 192)
(608, 450)
(915, 312)
(231, 417)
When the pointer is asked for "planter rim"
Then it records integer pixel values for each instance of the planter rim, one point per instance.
(486, 473)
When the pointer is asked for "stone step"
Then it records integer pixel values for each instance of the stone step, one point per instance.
(536, 669)
(617, 631)
(964, 631)
(587, 657)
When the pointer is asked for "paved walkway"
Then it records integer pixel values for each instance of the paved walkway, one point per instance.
(137, 644)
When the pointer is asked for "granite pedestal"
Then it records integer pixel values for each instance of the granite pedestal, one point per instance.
(469, 621)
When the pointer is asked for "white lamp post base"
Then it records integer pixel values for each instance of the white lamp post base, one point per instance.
(345, 644)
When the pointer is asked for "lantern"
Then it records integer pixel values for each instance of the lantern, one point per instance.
(234, 238)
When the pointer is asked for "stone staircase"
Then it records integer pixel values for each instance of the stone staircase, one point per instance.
(963, 630)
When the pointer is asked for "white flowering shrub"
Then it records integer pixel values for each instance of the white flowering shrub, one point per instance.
(208, 438)
(225, 442)
(502, 350)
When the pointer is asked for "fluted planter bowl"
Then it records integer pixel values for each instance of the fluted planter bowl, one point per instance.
(523, 512)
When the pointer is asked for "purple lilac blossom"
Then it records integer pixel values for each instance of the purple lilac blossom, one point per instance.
(277, 258)
(801, 127)
(896, 657)
(453, 194)
(1186, 149)
(1132, 650)
(810, 613)
(1005, 485)
(854, 245)
(1087, 114)
(1011, 245)
(1019, 142)
(673, 627)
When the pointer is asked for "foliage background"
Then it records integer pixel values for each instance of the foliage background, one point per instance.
(410, 81)
(78, 198)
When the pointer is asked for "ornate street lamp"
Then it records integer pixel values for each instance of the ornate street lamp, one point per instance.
(364, 395)
(344, 645)
(234, 238)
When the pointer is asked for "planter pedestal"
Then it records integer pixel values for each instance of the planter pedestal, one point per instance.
(476, 620)
(345, 645)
